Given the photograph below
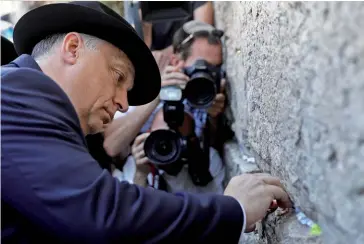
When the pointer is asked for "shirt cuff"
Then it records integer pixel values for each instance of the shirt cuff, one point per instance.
(244, 225)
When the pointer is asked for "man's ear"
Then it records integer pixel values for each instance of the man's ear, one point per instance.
(71, 46)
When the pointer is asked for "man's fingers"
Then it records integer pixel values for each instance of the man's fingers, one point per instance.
(141, 161)
(168, 69)
(161, 60)
(140, 154)
(250, 228)
(139, 148)
(220, 97)
(176, 75)
(173, 82)
(269, 179)
(164, 62)
(218, 104)
(141, 138)
(222, 85)
(280, 195)
(179, 66)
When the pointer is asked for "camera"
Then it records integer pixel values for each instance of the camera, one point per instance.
(204, 83)
(202, 87)
(167, 149)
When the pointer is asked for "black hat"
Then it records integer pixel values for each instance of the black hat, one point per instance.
(96, 19)
(8, 53)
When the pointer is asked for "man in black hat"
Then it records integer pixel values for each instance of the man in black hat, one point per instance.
(79, 63)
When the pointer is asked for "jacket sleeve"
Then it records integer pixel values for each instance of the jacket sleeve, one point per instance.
(50, 178)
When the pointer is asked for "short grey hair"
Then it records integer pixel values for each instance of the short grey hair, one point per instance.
(45, 46)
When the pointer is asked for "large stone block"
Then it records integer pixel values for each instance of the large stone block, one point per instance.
(296, 92)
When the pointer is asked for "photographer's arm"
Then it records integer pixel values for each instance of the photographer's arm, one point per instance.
(204, 13)
(147, 30)
(215, 111)
(122, 131)
(139, 160)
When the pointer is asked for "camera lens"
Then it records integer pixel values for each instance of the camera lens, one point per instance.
(200, 91)
(163, 147)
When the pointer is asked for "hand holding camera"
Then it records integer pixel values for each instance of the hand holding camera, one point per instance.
(174, 76)
(138, 153)
(218, 105)
(198, 83)
(163, 57)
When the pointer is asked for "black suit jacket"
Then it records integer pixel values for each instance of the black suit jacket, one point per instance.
(52, 190)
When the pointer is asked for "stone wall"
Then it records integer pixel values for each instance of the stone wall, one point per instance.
(296, 94)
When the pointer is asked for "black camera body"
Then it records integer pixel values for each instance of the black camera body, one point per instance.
(167, 149)
(203, 85)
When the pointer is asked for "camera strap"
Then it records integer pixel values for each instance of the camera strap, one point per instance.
(157, 181)
(199, 166)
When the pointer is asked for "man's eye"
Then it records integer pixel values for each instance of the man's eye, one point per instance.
(120, 78)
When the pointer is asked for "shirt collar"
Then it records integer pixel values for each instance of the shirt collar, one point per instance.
(26, 61)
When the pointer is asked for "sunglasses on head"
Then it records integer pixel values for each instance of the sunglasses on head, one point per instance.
(215, 33)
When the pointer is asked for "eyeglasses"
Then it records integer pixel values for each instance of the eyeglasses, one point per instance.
(215, 33)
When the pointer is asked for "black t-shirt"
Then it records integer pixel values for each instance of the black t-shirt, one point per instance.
(162, 33)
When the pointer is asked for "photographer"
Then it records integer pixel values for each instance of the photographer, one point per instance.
(158, 36)
(138, 166)
(196, 73)
(203, 43)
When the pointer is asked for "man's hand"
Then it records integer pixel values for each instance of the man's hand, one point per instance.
(173, 76)
(137, 150)
(218, 105)
(163, 57)
(256, 193)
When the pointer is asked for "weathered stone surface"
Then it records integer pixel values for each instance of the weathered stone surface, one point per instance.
(286, 230)
(239, 160)
(296, 92)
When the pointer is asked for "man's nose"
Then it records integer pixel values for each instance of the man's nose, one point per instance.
(121, 100)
